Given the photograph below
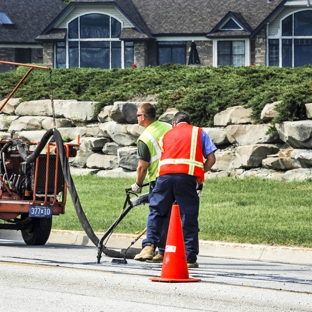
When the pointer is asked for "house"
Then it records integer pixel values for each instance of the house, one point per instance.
(124, 33)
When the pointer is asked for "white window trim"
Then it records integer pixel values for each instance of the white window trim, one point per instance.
(280, 37)
(91, 39)
(215, 50)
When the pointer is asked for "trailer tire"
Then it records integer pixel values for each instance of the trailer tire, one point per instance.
(37, 231)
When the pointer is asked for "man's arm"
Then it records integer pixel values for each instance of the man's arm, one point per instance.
(210, 160)
(141, 171)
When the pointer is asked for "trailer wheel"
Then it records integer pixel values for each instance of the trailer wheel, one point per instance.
(37, 231)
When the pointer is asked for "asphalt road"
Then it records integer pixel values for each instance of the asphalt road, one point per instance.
(59, 277)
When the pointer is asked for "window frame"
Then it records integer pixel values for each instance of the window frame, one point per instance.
(284, 37)
(215, 50)
(171, 44)
(78, 40)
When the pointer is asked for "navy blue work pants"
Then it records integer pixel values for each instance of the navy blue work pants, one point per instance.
(168, 189)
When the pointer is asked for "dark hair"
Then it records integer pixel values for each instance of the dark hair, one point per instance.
(148, 110)
(181, 117)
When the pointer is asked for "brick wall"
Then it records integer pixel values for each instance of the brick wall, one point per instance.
(8, 54)
(204, 49)
(260, 48)
(140, 54)
(48, 54)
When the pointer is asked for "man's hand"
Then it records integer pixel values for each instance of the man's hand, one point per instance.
(135, 188)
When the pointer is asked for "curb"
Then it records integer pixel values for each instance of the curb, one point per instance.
(295, 255)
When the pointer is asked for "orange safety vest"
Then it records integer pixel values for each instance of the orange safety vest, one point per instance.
(182, 152)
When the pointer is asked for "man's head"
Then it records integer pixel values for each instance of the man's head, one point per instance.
(181, 117)
(146, 114)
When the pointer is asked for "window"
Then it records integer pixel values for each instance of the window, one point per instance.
(273, 52)
(60, 55)
(93, 41)
(172, 52)
(4, 19)
(230, 25)
(294, 47)
(231, 53)
(23, 55)
(129, 54)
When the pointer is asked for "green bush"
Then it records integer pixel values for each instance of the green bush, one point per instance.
(200, 91)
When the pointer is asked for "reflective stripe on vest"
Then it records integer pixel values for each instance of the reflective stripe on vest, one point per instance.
(193, 151)
(156, 147)
(150, 137)
(182, 161)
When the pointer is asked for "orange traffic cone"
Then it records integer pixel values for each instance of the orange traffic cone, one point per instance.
(174, 268)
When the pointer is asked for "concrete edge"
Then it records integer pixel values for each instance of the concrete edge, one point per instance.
(295, 255)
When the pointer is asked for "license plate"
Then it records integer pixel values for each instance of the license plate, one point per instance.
(40, 211)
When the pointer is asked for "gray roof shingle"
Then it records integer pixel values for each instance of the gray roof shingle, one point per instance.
(164, 17)
(29, 17)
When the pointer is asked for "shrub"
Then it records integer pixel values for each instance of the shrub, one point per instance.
(200, 91)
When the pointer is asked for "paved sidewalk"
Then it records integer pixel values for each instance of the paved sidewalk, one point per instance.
(207, 248)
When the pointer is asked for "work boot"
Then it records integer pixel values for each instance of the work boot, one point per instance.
(157, 259)
(146, 253)
(193, 265)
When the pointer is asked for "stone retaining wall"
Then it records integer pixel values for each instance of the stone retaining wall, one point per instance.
(108, 139)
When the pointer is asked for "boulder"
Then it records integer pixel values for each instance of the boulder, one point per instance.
(280, 163)
(101, 161)
(251, 156)
(48, 123)
(10, 106)
(226, 160)
(5, 121)
(105, 113)
(26, 123)
(250, 134)
(119, 133)
(110, 148)
(127, 158)
(167, 116)
(124, 112)
(72, 133)
(92, 144)
(217, 135)
(269, 112)
(297, 134)
(233, 115)
(80, 161)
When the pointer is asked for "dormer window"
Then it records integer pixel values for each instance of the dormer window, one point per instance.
(230, 25)
(4, 19)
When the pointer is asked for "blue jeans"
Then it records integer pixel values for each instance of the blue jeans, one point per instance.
(165, 223)
(168, 189)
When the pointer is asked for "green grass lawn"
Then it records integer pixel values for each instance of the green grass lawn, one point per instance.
(246, 210)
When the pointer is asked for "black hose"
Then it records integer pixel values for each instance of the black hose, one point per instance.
(72, 189)
(31, 158)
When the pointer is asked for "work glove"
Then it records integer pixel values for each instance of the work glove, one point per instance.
(136, 188)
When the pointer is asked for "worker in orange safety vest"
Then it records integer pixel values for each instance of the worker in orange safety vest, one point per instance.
(187, 154)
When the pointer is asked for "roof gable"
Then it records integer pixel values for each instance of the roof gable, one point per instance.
(125, 7)
(231, 23)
